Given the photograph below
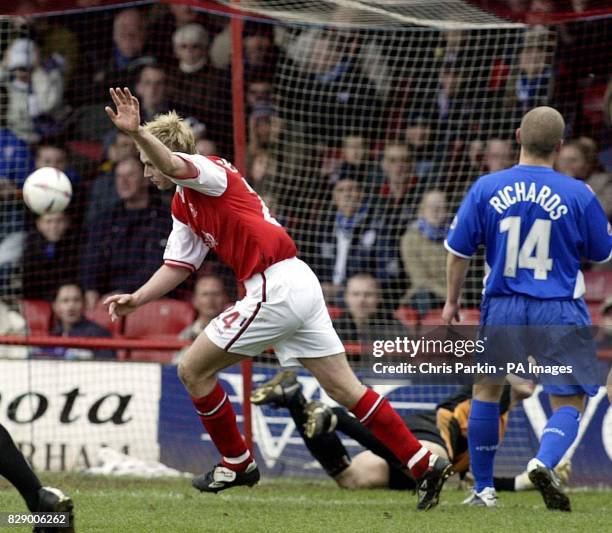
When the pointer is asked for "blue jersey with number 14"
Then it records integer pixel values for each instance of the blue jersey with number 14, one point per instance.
(536, 225)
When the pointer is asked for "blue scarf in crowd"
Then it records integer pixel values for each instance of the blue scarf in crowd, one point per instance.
(432, 233)
(347, 224)
(531, 91)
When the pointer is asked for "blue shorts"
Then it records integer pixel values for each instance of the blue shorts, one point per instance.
(548, 332)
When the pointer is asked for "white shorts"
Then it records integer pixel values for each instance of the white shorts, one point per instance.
(283, 309)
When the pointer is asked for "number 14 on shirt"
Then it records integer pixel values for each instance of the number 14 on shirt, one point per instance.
(537, 241)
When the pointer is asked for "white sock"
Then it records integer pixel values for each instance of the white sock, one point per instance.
(534, 463)
(522, 482)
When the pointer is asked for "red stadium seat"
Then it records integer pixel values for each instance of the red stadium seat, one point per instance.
(469, 317)
(598, 286)
(433, 318)
(158, 319)
(100, 316)
(93, 150)
(156, 356)
(38, 314)
(407, 316)
(595, 312)
(335, 312)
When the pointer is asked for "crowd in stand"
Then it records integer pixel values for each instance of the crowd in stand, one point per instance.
(361, 154)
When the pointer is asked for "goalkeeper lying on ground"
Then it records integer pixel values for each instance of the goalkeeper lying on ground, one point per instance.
(443, 432)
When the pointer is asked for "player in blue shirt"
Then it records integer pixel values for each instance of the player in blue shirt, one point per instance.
(536, 225)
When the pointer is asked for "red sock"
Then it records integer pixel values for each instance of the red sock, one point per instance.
(376, 413)
(218, 417)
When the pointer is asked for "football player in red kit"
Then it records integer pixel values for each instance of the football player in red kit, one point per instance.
(214, 208)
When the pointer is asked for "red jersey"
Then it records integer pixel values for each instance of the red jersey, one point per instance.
(217, 209)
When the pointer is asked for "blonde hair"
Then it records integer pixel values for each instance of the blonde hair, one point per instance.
(173, 132)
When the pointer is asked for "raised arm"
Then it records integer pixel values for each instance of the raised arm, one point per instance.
(127, 119)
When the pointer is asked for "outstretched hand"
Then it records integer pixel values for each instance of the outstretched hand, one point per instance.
(450, 313)
(120, 305)
(127, 116)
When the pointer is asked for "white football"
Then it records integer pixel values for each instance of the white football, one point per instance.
(47, 190)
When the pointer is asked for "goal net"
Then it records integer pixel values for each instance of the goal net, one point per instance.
(362, 126)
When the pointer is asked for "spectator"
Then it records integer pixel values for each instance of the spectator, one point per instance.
(12, 323)
(354, 164)
(127, 58)
(343, 242)
(573, 161)
(35, 93)
(393, 209)
(362, 298)
(329, 93)
(54, 155)
(450, 114)
(424, 256)
(152, 92)
(264, 128)
(364, 317)
(16, 160)
(102, 193)
(499, 155)
(532, 84)
(209, 299)
(191, 47)
(192, 79)
(449, 98)
(397, 167)
(262, 167)
(58, 44)
(125, 244)
(129, 37)
(200, 90)
(475, 158)
(418, 137)
(51, 155)
(259, 93)
(206, 147)
(167, 19)
(49, 257)
(70, 321)
(260, 54)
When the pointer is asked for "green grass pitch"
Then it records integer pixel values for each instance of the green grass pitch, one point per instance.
(287, 506)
